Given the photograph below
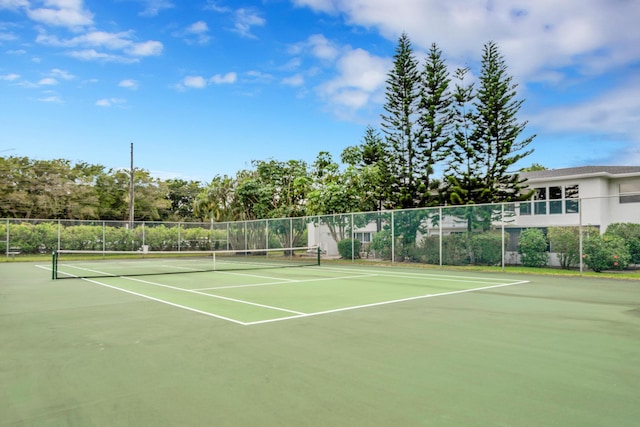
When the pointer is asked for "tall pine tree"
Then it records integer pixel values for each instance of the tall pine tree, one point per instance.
(398, 124)
(434, 122)
(496, 130)
(462, 175)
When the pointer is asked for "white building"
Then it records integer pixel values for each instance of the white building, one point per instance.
(587, 195)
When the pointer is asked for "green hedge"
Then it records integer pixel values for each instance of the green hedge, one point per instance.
(349, 248)
(34, 238)
(532, 247)
(605, 253)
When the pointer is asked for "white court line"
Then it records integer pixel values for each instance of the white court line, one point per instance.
(206, 313)
(356, 307)
(251, 275)
(181, 289)
(319, 279)
(214, 296)
(409, 275)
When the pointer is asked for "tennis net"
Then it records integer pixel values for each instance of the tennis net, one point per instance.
(87, 264)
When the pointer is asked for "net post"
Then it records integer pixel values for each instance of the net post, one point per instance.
(54, 265)
(318, 252)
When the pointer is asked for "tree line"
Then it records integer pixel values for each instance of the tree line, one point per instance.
(435, 121)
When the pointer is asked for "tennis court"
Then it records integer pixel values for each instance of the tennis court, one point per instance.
(332, 344)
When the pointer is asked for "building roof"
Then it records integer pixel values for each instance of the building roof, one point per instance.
(582, 171)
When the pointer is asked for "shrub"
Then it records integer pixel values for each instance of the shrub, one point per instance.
(631, 234)
(81, 237)
(429, 250)
(345, 248)
(532, 247)
(486, 248)
(454, 249)
(381, 244)
(565, 242)
(25, 237)
(605, 253)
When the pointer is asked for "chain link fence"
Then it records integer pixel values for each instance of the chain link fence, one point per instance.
(452, 235)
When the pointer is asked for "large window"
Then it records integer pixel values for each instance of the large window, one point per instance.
(556, 200)
(364, 237)
(630, 192)
(571, 198)
(525, 208)
(540, 204)
(555, 197)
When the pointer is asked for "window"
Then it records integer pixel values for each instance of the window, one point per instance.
(555, 195)
(525, 208)
(571, 196)
(630, 192)
(364, 237)
(540, 205)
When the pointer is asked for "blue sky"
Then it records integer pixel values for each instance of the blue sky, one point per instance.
(203, 87)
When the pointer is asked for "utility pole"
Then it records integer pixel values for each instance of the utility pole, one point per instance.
(131, 190)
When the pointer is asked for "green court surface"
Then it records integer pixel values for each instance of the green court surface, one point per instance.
(330, 345)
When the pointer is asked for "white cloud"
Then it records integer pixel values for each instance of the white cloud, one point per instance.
(198, 28)
(27, 84)
(536, 36)
(318, 46)
(199, 82)
(93, 55)
(63, 13)
(214, 6)
(10, 77)
(295, 80)
(48, 81)
(129, 84)
(245, 20)
(13, 4)
(198, 32)
(62, 74)
(259, 77)
(148, 48)
(614, 114)
(7, 37)
(52, 99)
(104, 40)
(360, 76)
(16, 52)
(224, 79)
(322, 48)
(108, 102)
(329, 6)
(195, 82)
(154, 7)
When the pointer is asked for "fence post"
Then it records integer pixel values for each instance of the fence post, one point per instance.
(580, 231)
(502, 226)
(353, 243)
(393, 239)
(227, 235)
(440, 234)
